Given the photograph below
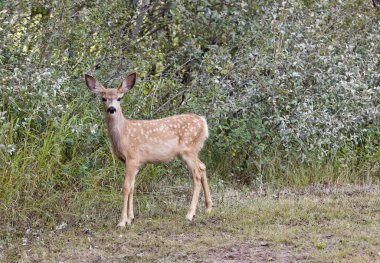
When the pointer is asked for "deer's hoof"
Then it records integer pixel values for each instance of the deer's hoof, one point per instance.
(121, 224)
(189, 217)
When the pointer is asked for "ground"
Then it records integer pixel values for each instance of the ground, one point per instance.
(320, 223)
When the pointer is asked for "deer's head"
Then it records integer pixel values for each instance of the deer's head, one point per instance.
(111, 97)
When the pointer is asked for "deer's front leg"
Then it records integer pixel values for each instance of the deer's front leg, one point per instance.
(131, 215)
(131, 171)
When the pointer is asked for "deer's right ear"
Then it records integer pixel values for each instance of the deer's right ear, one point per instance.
(92, 84)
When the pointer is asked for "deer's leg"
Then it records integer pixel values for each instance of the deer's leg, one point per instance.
(192, 163)
(131, 215)
(206, 189)
(131, 171)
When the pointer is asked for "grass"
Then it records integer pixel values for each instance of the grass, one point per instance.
(59, 203)
(318, 223)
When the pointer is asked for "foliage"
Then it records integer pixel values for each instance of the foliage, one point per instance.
(286, 86)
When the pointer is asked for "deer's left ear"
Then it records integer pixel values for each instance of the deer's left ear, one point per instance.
(128, 83)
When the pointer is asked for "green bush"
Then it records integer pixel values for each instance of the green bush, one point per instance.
(290, 90)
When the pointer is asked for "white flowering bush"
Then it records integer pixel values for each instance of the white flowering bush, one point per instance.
(305, 83)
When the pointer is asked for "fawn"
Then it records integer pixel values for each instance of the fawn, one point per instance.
(137, 142)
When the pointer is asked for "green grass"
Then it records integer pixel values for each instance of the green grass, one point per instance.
(60, 177)
(318, 223)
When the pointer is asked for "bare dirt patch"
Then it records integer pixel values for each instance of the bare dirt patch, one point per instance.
(261, 252)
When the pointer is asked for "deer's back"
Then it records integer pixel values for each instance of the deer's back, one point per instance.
(162, 139)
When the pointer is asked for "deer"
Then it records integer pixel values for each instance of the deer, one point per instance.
(139, 142)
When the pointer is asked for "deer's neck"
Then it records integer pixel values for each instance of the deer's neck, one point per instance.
(116, 125)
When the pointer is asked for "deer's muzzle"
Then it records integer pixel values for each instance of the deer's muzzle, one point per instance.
(111, 110)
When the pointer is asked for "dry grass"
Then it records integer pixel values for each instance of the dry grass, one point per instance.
(318, 224)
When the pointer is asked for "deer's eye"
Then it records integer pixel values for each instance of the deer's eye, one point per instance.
(118, 99)
(104, 99)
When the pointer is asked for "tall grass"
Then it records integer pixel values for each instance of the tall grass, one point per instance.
(54, 177)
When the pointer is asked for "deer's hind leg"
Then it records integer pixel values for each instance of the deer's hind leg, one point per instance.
(206, 189)
(192, 163)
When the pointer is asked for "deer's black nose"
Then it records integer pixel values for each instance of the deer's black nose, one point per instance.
(111, 110)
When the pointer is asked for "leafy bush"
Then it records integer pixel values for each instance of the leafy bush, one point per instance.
(287, 87)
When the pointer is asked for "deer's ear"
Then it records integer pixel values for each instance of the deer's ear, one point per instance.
(92, 84)
(128, 83)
